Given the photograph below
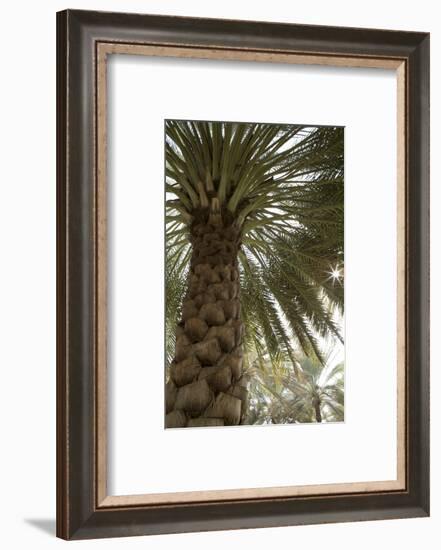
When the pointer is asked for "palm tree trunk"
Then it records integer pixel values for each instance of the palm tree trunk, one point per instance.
(206, 386)
(318, 412)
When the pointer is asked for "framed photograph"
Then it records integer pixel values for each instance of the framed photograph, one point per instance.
(243, 274)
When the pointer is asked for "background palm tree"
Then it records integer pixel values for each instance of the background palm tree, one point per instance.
(315, 394)
(254, 238)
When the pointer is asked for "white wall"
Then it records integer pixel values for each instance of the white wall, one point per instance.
(27, 273)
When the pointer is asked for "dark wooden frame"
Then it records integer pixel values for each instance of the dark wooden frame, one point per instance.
(79, 513)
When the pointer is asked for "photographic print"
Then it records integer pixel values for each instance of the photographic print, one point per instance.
(254, 273)
(203, 282)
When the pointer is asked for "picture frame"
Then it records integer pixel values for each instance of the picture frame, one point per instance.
(84, 41)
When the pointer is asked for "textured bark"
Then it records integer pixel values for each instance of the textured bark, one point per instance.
(206, 385)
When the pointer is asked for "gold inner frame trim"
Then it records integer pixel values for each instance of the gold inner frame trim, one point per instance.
(102, 499)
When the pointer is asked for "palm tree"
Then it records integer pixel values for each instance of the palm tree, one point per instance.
(254, 232)
(315, 395)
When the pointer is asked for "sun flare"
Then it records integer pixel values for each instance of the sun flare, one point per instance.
(335, 274)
